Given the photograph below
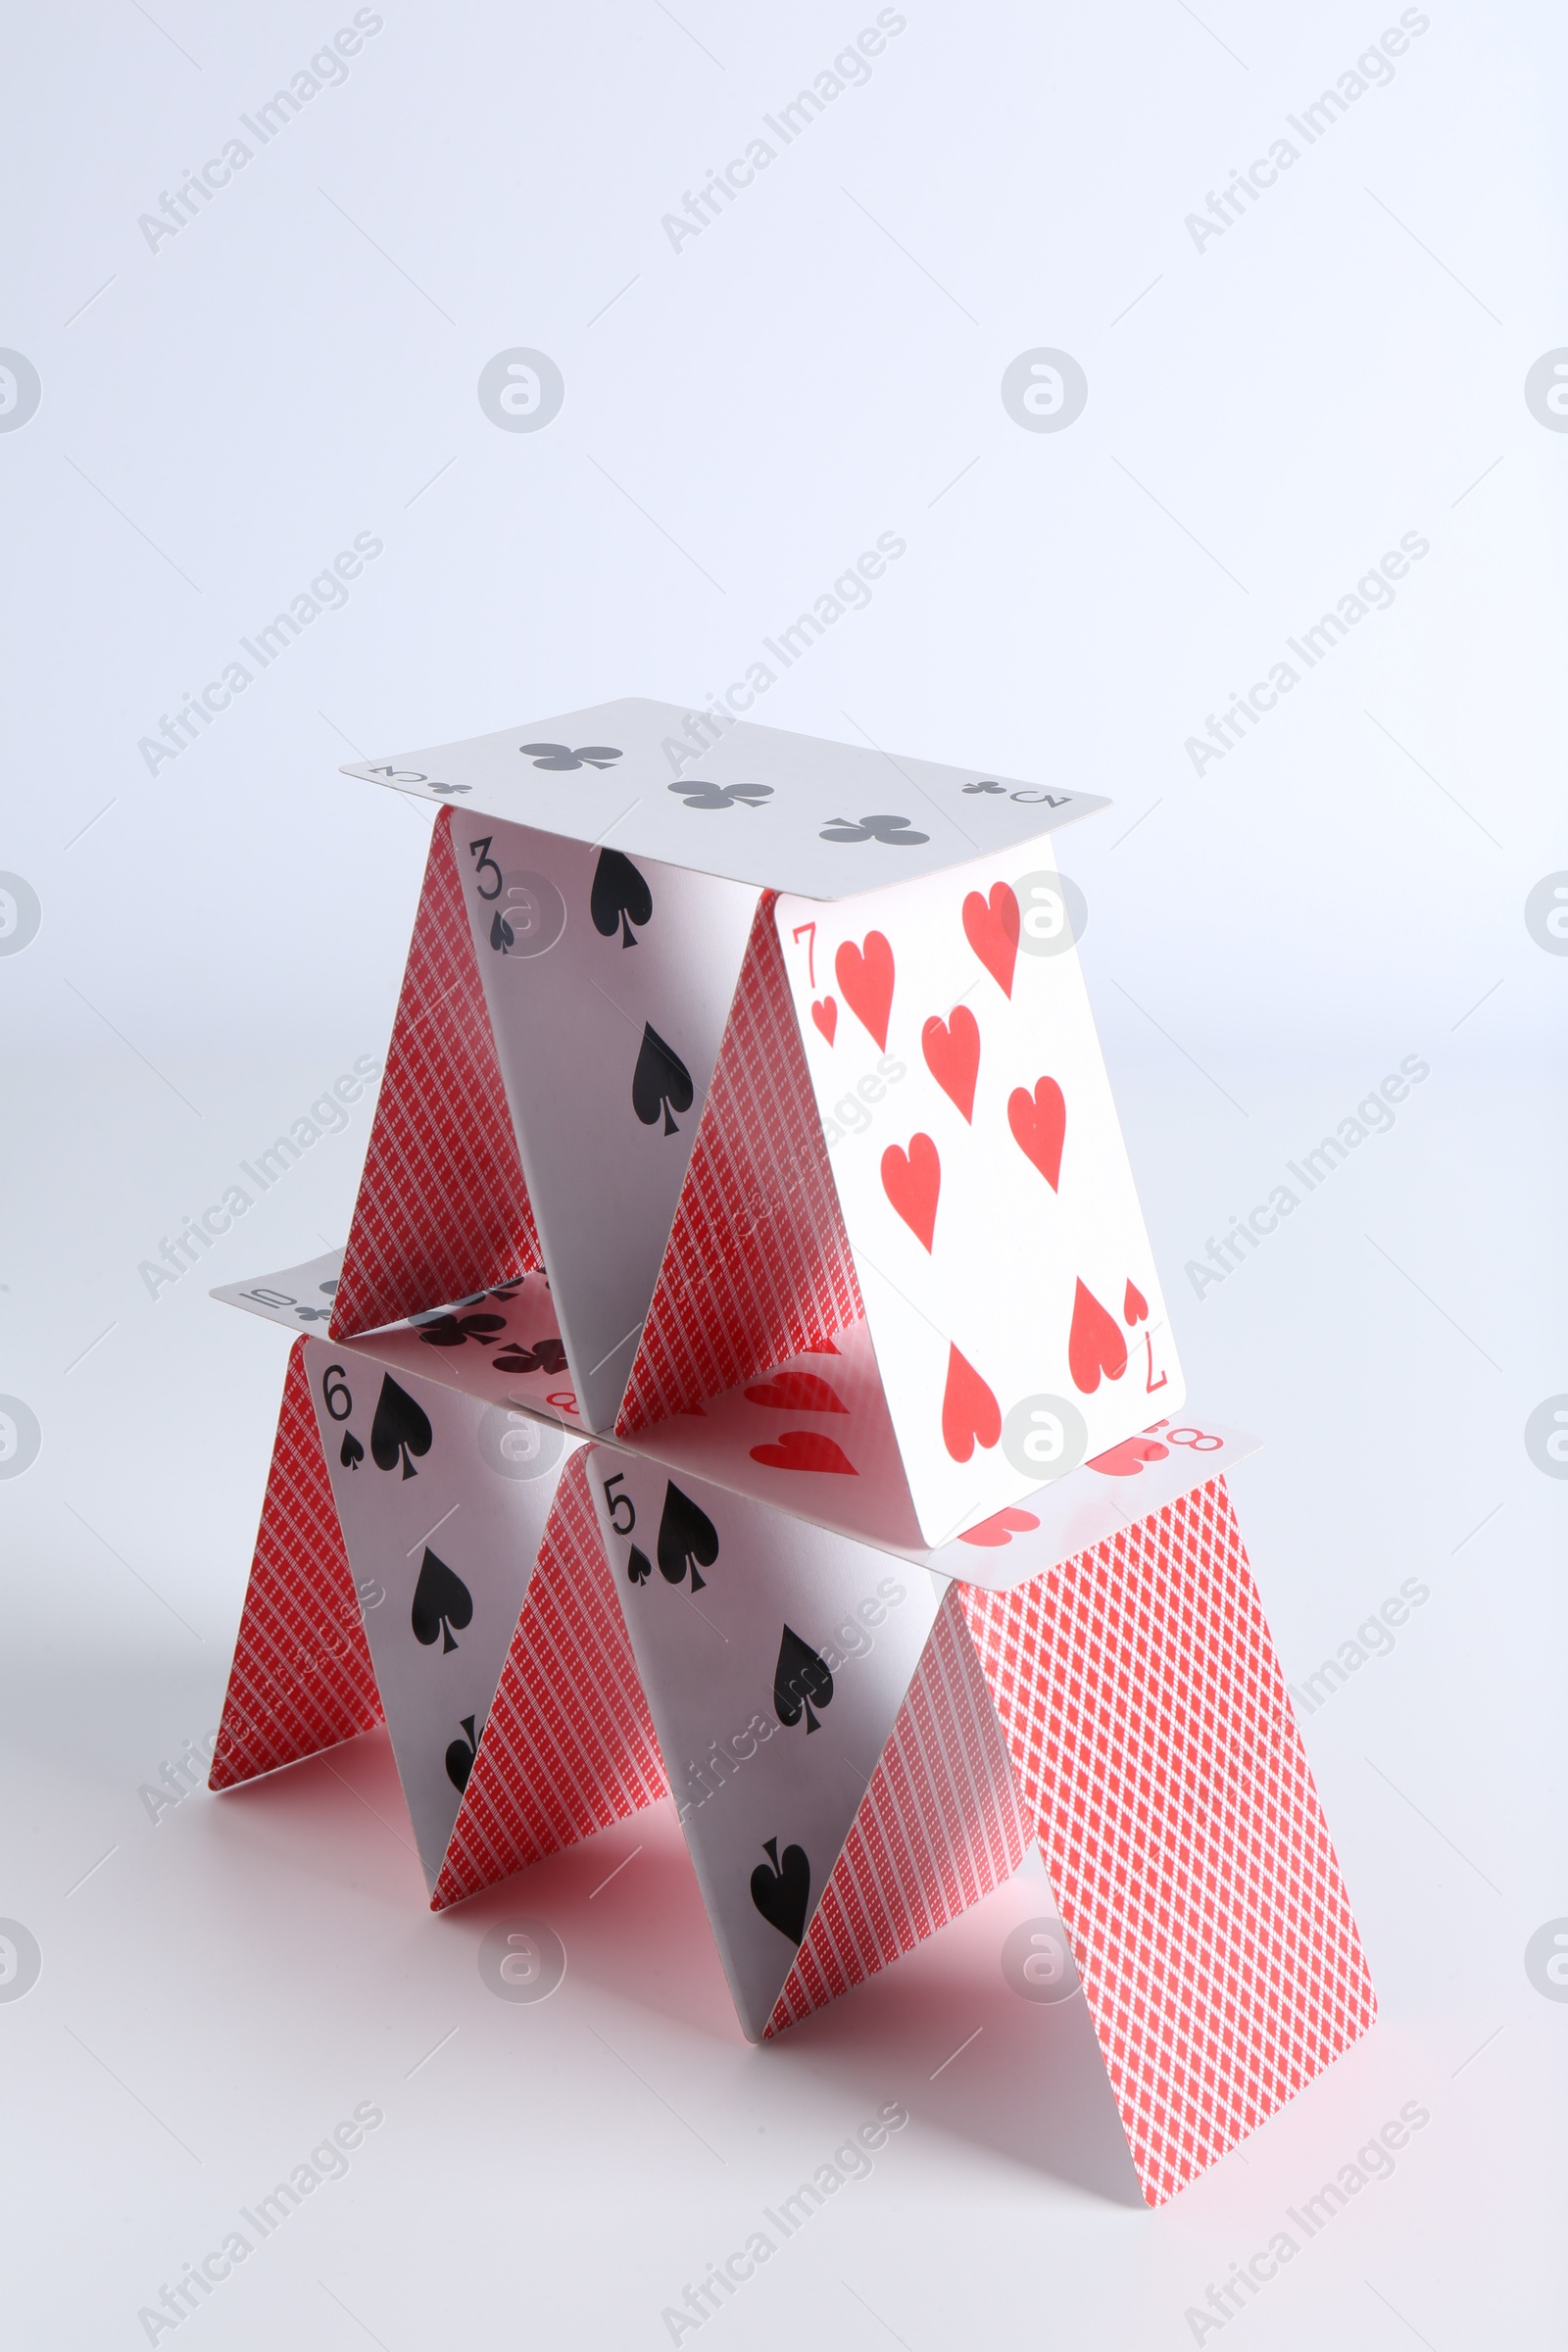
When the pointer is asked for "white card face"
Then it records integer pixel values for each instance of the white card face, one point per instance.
(503, 1346)
(812, 1437)
(1099, 1499)
(300, 1298)
(752, 803)
(776, 1659)
(609, 984)
(442, 1516)
(1007, 1279)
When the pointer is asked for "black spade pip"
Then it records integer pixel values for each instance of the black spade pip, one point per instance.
(687, 1538)
(461, 1754)
(441, 1600)
(399, 1431)
(660, 1082)
(783, 1891)
(619, 897)
(801, 1681)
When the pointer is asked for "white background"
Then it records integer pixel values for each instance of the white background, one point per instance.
(743, 416)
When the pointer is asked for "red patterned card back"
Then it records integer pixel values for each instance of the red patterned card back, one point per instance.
(758, 1264)
(1151, 1736)
(443, 1209)
(939, 1826)
(301, 1679)
(569, 1747)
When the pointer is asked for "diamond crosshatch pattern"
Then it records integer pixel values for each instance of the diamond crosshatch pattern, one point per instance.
(568, 1745)
(938, 1828)
(301, 1679)
(1154, 1740)
(443, 1207)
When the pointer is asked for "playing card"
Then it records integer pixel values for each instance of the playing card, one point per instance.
(757, 1265)
(503, 1346)
(776, 1659)
(442, 1516)
(443, 1207)
(300, 1298)
(811, 1435)
(1007, 1279)
(607, 982)
(718, 796)
(302, 1678)
(940, 1827)
(1100, 1498)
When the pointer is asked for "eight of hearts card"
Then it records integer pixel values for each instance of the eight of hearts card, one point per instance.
(1007, 1280)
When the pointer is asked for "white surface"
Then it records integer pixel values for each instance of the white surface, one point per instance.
(1344, 889)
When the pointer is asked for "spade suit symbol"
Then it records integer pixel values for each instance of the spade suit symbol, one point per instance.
(801, 1681)
(687, 1538)
(461, 1754)
(619, 897)
(783, 1892)
(441, 1600)
(399, 1431)
(660, 1082)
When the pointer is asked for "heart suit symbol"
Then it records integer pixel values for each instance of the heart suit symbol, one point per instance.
(952, 1050)
(1039, 1123)
(990, 926)
(911, 1181)
(804, 1449)
(1127, 1459)
(796, 1393)
(1001, 1528)
(866, 975)
(1095, 1343)
(969, 1412)
(825, 1014)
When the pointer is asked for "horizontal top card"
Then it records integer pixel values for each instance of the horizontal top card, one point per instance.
(721, 796)
(1098, 1500)
(502, 1346)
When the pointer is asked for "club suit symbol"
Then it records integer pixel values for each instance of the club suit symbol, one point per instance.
(722, 796)
(558, 756)
(896, 832)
